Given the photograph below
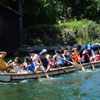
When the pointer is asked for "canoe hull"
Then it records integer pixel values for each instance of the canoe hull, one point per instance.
(10, 77)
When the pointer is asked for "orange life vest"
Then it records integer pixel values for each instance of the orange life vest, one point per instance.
(75, 57)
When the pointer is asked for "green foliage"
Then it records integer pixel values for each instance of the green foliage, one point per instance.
(73, 24)
(90, 32)
(81, 31)
(51, 22)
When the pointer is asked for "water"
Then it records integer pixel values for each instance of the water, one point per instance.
(75, 86)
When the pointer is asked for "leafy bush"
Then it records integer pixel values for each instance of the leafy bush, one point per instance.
(90, 32)
(65, 33)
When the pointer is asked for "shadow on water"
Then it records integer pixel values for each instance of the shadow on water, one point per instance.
(76, 86)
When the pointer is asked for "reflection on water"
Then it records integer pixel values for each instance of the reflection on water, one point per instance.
(75, 86)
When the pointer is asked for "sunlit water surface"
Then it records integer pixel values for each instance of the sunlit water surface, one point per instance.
(76, 86)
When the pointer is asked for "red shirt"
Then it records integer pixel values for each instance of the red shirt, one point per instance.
(52, 63)
(97, 57)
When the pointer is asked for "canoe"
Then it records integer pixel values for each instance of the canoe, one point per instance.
(12, 77)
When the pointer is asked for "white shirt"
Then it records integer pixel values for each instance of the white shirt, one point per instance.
(16, 69)
(35, 58)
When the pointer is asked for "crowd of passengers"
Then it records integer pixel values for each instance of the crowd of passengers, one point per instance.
(45, 61)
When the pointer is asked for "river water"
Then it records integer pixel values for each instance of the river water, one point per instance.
(75, 86)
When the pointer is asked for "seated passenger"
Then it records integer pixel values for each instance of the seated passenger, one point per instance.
(67, 55)
(76, 55)
(3, 65)
(97, 56)
(30, 65)
(34, 57)
(44, 62)
(85, 57)
(46, 53)
(15, 65)
(24, 64)
(59, 58)
(52, 62)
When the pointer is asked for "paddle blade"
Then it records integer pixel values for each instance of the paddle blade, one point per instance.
(93, 66)
(83, 69)
(47, 76)
(78, 66)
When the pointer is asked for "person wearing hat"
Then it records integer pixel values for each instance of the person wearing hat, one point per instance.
(46, 53)
(43, 61)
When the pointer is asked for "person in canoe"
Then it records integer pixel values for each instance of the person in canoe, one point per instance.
(24, 65)
(44, 63)
(15, 65)
(34, 57)
(3, 65)
(85, 56)
(46, 53)
(59, 58)
(29, 65)
(76, 55)
(97, 56)
(52, 62)
(67, 56)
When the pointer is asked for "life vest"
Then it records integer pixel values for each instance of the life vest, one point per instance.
(75, 57)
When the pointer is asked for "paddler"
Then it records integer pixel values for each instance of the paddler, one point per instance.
(76, 55)
(3, 65)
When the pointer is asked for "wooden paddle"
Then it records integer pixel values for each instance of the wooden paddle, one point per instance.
(75, 64)
(82, 68)
(47, 76)
(91, 64)
(9, 61)
(78, 66)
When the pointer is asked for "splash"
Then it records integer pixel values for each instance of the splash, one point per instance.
(24, 81)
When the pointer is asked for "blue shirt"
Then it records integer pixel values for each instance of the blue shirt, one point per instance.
(59, 60)
(32, 68)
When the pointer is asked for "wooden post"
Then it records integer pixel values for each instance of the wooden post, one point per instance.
(20, 17)
(22, 32)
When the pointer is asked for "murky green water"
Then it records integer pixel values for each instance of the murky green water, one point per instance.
(75, 86)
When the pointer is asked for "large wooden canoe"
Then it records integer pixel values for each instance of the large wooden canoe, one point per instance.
(10, 77)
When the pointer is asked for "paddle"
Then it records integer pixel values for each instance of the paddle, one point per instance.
(91, 64)
(83, 69)
(75, 64)
(9, 61)
(78, 66)
(47, 76)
